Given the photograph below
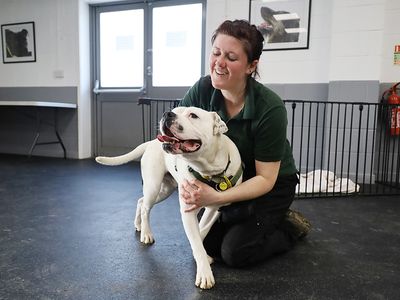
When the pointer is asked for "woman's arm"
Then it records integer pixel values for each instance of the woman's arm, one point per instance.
(198, 194)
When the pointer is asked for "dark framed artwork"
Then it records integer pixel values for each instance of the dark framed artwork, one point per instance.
(18, 42)
(285, 24)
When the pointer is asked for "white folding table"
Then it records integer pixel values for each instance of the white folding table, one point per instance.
(38, 104)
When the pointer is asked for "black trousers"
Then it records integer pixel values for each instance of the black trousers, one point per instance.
(250, 231)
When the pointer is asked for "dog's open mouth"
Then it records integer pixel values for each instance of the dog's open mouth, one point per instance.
(176, 145)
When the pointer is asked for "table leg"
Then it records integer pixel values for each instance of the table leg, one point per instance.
(55, 127)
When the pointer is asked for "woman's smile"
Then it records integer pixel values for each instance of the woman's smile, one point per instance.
(220, 72)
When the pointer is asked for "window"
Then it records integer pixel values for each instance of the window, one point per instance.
(121, 48)
(145, 45)
(177, 45)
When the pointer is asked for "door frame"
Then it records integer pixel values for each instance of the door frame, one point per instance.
(129, 95)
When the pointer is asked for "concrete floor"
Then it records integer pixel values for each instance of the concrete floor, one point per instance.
(67, 233)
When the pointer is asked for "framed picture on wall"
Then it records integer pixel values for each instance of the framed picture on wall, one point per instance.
(18, 42)
(285, 24)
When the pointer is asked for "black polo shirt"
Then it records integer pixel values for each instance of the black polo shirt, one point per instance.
(258, 130)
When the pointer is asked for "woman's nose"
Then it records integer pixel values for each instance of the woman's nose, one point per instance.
(220, 62)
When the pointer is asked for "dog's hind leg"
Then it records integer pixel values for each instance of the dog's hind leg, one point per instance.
(138, 217)
(146, 235)
(152, 191)
(167, 188)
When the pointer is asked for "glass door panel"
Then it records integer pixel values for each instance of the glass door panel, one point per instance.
(121, 49)
(142, 48)
(177, 45)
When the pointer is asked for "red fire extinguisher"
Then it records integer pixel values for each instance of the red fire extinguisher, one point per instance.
(394, 107)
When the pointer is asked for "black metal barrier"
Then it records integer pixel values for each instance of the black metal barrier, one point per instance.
(340, 148)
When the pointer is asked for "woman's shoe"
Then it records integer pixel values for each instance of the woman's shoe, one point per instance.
(297, 224)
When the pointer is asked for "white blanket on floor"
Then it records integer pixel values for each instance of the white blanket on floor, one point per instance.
(325, 181)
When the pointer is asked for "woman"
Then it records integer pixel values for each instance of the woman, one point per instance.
(258, 222)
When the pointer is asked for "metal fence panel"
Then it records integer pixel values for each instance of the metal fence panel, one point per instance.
(340, 148)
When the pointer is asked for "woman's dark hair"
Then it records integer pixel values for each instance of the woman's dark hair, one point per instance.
(251, 38)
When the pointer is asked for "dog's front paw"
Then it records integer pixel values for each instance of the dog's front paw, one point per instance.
(205, 278)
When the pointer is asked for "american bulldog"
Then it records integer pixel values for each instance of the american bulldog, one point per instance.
(191, 145)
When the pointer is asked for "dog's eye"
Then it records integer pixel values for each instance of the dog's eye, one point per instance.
(193, 116)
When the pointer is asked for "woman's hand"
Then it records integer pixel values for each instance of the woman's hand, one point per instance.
(197, 194)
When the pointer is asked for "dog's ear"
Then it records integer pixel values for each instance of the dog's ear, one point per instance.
(219, 125)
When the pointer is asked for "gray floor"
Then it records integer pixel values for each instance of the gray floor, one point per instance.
(67, 233)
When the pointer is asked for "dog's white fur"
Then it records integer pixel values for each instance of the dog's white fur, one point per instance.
(210, 157)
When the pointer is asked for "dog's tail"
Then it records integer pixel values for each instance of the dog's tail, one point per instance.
(135, 154)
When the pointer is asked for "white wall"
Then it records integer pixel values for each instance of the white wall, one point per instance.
(356, 41)
(56, 42)
(84, 88)
(391, 37)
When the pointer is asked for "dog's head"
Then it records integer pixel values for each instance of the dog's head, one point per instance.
(186, 130)
(275, 30)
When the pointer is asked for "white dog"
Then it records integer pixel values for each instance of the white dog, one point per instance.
(192, 145)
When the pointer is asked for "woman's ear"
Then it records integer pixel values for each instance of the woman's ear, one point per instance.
(252, 67)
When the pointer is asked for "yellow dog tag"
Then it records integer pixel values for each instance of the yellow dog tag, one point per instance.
(224, 185)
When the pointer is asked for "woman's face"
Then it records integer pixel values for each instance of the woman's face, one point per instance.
(229, 65)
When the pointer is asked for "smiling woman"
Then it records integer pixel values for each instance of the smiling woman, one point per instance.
(255, 222)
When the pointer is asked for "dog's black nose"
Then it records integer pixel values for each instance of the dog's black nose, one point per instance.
(168, 118)
(169, 114)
